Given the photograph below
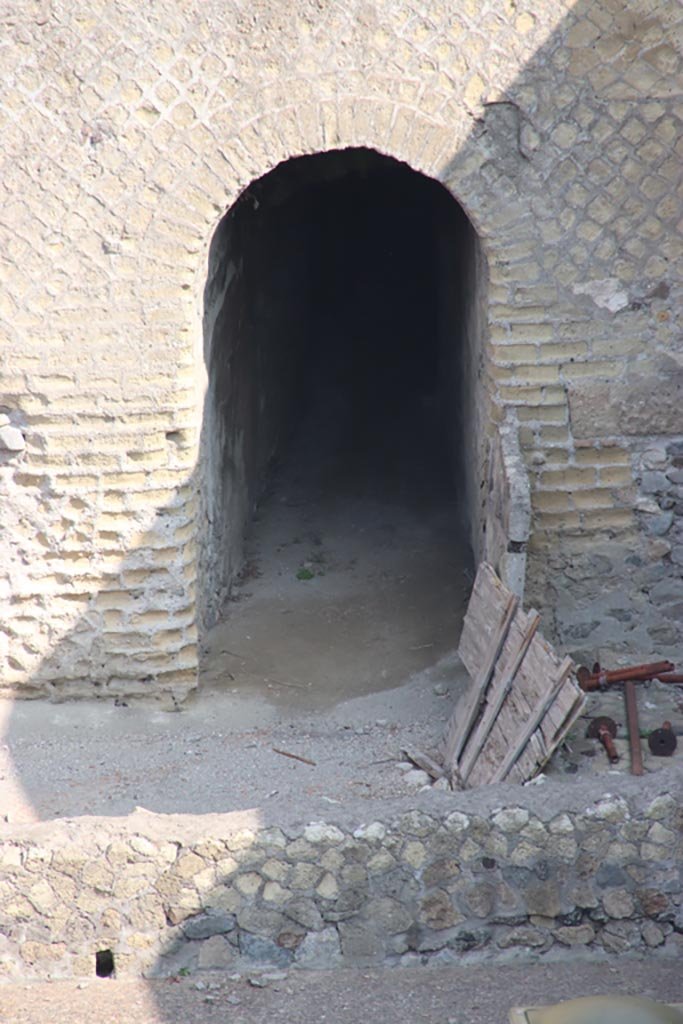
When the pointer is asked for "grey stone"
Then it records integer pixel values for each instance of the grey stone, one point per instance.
(659, 525)
(291, 937)
(415, 823)
(675, 476)
(664, 634)
(653, 935)
(389, 916)
(348, 905)
(480, 899)
(511, 819)
(610, 875)
(677, 554)
(215, 953)
(440, 871)
(427, 941)
(319, 949)
(543, 899)
(264, 950)
(437, 911)
(524, 936)
(575, 935)
(360, 943)
(416, 779)
(321, 832)
(203, 926)
(653, 482)
(11, 439)
(653, 458)
(468, 939)
(666, 591)
(304, 912)
(619, 936)
(618, 903)
(260, 921)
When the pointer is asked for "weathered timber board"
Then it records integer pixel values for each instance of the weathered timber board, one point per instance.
(497, 693)
(484, 614)
(532, 682)
(534, 678)
(464, 718)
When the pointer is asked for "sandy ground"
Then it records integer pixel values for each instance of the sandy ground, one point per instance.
(420, 995)
(218, 755)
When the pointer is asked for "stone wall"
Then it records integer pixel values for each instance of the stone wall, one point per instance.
(126, 135)
(444, 879)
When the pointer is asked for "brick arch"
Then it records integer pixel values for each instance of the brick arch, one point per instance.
(425, 147)
(444, 152)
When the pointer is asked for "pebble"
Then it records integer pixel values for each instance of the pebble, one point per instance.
(441, 690)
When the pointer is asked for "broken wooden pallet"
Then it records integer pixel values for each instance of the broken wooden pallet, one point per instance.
(522, 701)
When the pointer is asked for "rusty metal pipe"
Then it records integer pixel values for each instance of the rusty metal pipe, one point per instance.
(635, 673)
(633, 727)
(605, 737)
(670, 677)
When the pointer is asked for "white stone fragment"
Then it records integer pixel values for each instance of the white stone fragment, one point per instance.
(12, 439)
(607, 293)
(320, 832)
(511, 819)
(373, 833)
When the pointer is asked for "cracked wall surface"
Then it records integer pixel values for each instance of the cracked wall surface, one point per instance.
(127, 132)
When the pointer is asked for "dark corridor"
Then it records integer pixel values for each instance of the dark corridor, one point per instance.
(339, 365)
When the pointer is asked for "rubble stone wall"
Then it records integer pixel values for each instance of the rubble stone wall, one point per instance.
(434, 883)
(128, 131)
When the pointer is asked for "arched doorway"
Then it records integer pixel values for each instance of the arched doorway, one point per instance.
(343, 309)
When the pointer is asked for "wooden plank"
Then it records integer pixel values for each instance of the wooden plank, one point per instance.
(464, 717)
(530, 686)
(484, 611)
(497, 698)
(539, 712)
(425, 763)
(537, 754)
(539, 748)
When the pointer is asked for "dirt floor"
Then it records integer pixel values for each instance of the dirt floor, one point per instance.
(219, 754)
(420, 995)
(357, 564)
(223, 753)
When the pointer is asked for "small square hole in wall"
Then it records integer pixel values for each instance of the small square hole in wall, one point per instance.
(104, 963)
